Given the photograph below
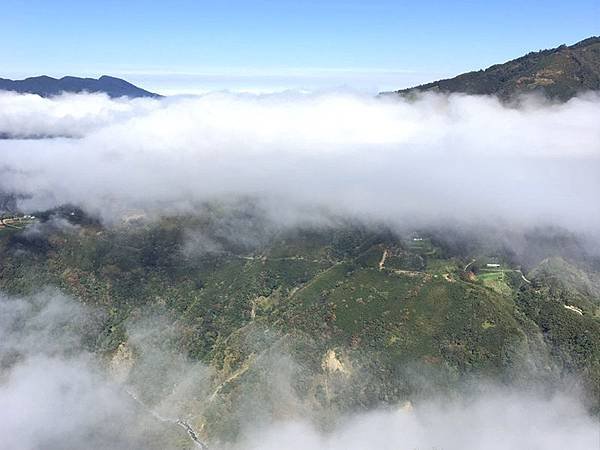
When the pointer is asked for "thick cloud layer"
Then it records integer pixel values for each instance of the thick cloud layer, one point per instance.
(440, 157)
(71, 115)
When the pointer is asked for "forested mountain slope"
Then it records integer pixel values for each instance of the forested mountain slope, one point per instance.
(558, 73)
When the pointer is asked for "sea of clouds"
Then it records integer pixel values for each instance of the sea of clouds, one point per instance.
(437, 158)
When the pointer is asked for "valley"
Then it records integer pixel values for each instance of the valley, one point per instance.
(360, 318)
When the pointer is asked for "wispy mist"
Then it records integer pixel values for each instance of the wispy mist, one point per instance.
(50, 388)
(55, 394)
(500, 420)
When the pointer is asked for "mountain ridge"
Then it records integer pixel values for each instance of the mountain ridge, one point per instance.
(46, 86)
(559, 73)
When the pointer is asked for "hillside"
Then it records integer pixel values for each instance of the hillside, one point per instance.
(558, 73)
(47, 86)
(348, 314)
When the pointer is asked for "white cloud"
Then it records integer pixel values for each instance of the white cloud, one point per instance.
(75, 115)
(438, 158)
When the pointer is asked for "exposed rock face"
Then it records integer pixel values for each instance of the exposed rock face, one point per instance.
(121, 363)
(331, 364)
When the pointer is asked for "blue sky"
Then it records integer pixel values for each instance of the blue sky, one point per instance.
(244, 45)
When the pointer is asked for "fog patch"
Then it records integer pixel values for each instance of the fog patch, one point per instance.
(197, 243)
(54, 224)
(499, 420)
(54, 393)
(162, 376)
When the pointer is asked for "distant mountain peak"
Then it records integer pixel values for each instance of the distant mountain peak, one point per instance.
(46, 86)
(559, 73)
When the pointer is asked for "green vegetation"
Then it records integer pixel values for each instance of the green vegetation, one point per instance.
(388, 306)
(559, 73)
